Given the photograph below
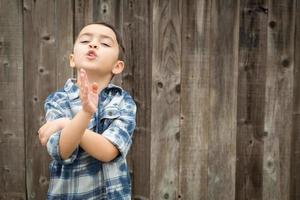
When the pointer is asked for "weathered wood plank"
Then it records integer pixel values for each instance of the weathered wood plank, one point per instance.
(83, 14)
(251, 98)
(224, 36)
(295, 156)
(43, 30)
(136, 79)
(194, 100)
(64, 40)
(279, 98)
(109, 11)
(165, 101)
(12, 157)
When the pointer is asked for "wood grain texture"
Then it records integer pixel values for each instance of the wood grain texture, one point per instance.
(47, 43)
(194, 100)
(295, 156)
(83, 14)
(224, 35)
(165, 113)
(64, 40)
(251, 98)
(12, 157)
(136, 79)
(216, 84)
(279, 98)
(110, 11)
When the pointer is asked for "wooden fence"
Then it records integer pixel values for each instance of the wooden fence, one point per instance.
(217, 84)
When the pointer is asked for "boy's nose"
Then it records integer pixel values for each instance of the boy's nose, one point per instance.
(93, 46)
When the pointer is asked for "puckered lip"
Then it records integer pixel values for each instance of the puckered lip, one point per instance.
(91, 54)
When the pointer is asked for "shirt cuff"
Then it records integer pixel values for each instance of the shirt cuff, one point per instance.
(54, 152)
(120, 138)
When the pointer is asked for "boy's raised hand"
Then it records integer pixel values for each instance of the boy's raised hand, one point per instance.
(88, 93)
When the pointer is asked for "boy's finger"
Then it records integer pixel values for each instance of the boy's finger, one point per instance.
(82, 71)
(42, 129)
(82, 76)
(95, 87)
(86, 89)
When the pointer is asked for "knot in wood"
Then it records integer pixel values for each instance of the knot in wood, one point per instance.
(160, 84)
(285, 62)
(272, 24)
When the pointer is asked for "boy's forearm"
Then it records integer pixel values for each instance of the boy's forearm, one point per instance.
(72, 133)
(63, 122)
(98, 146)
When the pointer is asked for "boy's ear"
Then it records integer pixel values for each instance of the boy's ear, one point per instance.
(118, 68)
(72, 62)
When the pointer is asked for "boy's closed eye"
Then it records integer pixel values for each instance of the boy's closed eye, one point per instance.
(105, 44)
(102, 43)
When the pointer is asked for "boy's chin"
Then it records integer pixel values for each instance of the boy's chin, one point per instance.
(94, 70)
(86, 67)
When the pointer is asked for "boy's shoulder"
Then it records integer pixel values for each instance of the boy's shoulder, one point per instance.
(56, 96)
(63, 94)
(118, 96)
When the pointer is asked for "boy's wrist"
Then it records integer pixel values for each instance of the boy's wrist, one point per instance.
(63, 122)
(87, 114)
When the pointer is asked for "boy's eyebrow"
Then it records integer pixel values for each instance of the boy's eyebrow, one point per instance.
(101, 35)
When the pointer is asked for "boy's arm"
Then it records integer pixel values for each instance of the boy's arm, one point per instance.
(70, 136)
(117, 138)
(54, 114)
(72, 133)
(93, 143)
(51, 127)
(98, 146)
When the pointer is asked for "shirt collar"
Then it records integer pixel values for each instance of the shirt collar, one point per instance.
(72, 89)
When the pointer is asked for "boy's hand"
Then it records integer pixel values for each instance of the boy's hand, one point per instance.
(50, 128)
(88, 94)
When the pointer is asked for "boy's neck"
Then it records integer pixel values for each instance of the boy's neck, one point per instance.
(102, 81)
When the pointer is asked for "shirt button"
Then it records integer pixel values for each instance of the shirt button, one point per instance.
(109, 113)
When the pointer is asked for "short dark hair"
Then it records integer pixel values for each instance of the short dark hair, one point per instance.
(118, 37)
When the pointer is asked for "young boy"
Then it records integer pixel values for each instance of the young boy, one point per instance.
(90, 122)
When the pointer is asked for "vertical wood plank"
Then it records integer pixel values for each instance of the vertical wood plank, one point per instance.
(194, 100)
(109, 11)
(137, 23)
(83, 14)
(279, 98)
(12, 157)
(223, 99)
(295, 155)
(251, 98)
(64, 30)
(43, 30)
(165, 114)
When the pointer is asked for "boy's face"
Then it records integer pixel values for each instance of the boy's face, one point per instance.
(96, 49)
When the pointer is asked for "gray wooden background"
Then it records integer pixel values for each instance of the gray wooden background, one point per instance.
(216, 83)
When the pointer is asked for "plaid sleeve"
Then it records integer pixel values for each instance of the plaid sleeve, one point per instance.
(121, 129)
(55, 111)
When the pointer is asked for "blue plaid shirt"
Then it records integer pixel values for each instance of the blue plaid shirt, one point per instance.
(81, 176)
